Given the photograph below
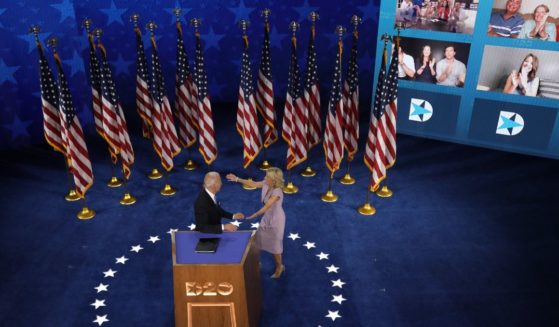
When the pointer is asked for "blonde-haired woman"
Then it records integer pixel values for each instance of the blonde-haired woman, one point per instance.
(269, 236)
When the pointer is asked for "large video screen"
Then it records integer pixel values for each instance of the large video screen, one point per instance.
(484, 73)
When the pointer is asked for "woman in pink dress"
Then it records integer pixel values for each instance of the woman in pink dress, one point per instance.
(269, 236)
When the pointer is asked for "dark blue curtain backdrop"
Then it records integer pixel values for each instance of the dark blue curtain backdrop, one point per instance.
(20, 110)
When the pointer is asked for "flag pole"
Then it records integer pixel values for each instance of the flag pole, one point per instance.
(384, 191)
(86, 24)
(72, 195)
(265, 165)
(367, 209)
(348, 179)
(127, 199)
(329, 196)
(309, 172)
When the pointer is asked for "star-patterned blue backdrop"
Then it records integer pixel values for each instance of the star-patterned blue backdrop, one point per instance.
(20, 104)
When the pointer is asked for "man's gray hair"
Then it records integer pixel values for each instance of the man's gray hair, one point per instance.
(211, 179)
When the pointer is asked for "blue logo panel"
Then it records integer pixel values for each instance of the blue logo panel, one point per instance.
(427, 112)
(512, 124)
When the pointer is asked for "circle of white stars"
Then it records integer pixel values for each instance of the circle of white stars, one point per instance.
(337, 284)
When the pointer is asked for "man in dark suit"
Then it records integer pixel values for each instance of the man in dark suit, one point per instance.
(208, 212)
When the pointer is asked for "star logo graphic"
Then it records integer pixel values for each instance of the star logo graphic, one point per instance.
(510, 123)
(109, 273)
(236, 223)
(254, 225)
(333, 269)
(338, 298)
(420, 110)
(337, 283)
(114, 14)
(121, 260)
(172, 230)
(102, 288)
(322, 256)
(333, 315)
(98, 303)
(293, 236)
(154, 239)
(309, 245)
(192, 226)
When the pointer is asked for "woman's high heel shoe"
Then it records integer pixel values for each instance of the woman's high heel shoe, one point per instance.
(278, 275)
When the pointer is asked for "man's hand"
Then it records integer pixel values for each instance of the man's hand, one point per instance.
(238, 215)
(229, 228)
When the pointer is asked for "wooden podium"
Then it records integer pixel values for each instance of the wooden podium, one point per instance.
(216, 289)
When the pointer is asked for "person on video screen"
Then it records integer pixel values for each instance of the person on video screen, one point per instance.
(406, 65)
(539, 28)
(524, 81)
(425, 66)
(450, 71)
(507, 24)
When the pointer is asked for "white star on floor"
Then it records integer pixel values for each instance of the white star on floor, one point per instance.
(109, 273)
(121, 260)
(154, 239)
(254, 225)
(333, 315)
(236, 223)
(192, 226)
(338, 298)
(102, 288)
(333, 269)
(136, 248)
(100, 319)
(294, 236)
(337, 283)
(172, 230)
(309, 245)
(322, 256)
(98, 303)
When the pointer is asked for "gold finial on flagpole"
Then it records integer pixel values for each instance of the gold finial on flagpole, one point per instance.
(196, 22)
(151, 26)
(35, 29)
(266, 12)
(177, 11)
(135, 19)
(86, 24)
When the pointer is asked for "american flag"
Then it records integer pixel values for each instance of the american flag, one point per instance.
(95, 80)
(293, 131)
(312, 95)
(49, 101)
(333, 134)
(144, 105)
(265, 92)
(165, 140)
(186, 108)
(114, 123)
(351, 102)
(207, 145)
(72, 136)
(247, 119)
(384, 120)
(369, 156)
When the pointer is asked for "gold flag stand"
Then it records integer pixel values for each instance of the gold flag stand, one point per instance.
(167, 190)
(127, 199)
(190, 164)
(155, 174)
(347, 179)
(329, 196)
(265, 165)
(245, 185)
(290, 188)
(367, 209)
(85, 213)
(72, 196)
(308, 172)
(384, 192)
